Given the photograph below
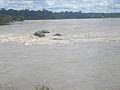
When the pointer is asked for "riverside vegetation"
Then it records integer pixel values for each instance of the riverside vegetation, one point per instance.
(7, 19)
(10, 15)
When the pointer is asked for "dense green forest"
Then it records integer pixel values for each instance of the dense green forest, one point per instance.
(7, 18)
(20, 15)
(45, 14)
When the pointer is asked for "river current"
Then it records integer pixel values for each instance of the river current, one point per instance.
(85, 57)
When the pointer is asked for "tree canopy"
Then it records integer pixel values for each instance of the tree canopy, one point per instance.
(46, 14)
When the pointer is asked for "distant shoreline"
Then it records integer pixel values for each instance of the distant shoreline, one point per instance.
(12, 23)
(71, 18)
(46, 14)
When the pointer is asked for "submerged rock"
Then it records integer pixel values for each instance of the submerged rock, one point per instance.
(57, 34)
(39, 34)
(56, 38)
(45, 31)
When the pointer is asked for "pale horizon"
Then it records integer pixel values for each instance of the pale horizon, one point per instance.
(86, 6)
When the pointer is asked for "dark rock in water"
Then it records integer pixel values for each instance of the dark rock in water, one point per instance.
(56, 39)
(58, 34)
(45, 31)
(39, 34)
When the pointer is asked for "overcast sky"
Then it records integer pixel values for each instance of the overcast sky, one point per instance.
(64, 5)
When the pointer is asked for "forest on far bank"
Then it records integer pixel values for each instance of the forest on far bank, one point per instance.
(11, 15)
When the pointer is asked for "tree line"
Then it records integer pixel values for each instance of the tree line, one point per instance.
(45, 14)
(12, 15)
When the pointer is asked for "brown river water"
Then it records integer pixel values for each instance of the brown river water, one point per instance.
(85, 57)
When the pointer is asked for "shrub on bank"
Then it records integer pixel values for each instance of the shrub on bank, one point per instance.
(5, 20)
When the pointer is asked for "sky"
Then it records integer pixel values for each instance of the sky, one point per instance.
(98, 6)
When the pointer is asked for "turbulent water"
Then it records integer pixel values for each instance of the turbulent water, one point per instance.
(85, 57)
(74, 31)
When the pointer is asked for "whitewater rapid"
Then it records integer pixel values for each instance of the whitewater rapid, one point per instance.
(30, 39)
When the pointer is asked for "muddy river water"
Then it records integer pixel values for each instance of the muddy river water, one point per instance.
(85, 57)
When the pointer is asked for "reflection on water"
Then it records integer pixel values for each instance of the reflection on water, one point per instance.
(85, 58)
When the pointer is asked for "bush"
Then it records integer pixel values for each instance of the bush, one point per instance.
(18, 18)
(5, 20)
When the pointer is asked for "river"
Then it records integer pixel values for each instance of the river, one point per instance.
(85, 57)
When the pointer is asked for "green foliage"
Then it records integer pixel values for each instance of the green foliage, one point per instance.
(18, 18)
(20, 15)
(5, 20)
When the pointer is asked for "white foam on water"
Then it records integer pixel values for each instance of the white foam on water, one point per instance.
(30, 39)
